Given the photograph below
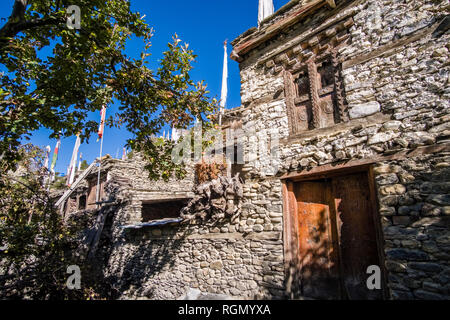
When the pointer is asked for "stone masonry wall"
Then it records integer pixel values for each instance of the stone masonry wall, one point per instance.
(134, 186)
(414, 204)
(395, 70)
(239, 256)
(163, 263)
(397, 95)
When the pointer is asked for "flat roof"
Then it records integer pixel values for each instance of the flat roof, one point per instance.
(271, 27)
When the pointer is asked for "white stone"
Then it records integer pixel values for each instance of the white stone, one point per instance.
(391, 125)
(364, 109)
(360, 95)
(379, 138)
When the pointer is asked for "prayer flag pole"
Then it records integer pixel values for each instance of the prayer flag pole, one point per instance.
(265, 9)
(224, 92)
(100, 135)
(73, 162)
(47, 177)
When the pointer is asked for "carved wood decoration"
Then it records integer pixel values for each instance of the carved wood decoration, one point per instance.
(314, 97)
(290, 92)
(313, 81)
(339, 88)
(313, 90)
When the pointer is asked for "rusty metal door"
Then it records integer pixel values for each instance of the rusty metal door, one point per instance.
(357, 236)
(319, 275)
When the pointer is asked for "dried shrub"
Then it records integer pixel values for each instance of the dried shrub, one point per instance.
(208, 171)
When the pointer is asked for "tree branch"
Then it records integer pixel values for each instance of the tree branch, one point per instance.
(17, 23)
(11, 30)
(17, 16)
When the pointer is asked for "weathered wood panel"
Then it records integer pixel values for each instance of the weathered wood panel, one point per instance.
(357, 237)
(337, 236)
(319, 276)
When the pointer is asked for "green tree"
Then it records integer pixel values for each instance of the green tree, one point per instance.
(56, 76)
(84, 165)
(60, 183)
(35, 243)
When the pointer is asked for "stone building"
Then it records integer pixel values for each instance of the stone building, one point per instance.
(345, 129)
(126, 181)
(358, 92)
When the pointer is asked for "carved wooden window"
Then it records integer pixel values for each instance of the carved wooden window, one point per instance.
(314, 95)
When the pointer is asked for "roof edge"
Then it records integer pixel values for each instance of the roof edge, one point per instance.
(269, 29)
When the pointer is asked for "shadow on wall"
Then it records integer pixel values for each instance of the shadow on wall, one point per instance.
(146, 259)
(150, 268)
(311, 272)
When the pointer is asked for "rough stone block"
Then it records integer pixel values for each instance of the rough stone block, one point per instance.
(407, 254)
(386, 179)
(396, 189)
(391, 125)
(440, 200)
(401, 220)
(379, 138)
(396, 266)
(426, 295)
(426, 266)
(402, 295)
(364, 109)
(216, 265)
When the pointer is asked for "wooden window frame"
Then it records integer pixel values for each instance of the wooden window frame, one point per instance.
(310, 68)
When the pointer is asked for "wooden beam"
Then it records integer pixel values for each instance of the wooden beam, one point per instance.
(330, 21)
(290, 237)
(331, 4)
(74, 186)
(95, 233)
(276, 28)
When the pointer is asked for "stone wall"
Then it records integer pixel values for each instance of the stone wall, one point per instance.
(394, 66)
(395, 75)
(129, 183)
(164, 263)
(414, 203)
(240, 256)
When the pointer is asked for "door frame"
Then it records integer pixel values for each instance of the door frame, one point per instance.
(292, 262)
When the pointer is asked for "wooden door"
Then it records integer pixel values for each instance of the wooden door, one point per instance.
(357, 234)
(337, 237)
(319, 275)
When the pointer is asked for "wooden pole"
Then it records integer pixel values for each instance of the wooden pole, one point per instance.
(99, 171)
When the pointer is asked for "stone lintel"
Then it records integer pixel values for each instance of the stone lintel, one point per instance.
(403, 154)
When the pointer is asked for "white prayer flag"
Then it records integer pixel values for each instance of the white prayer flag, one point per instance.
(175, 134)
(73, 162)
(55, 158)
(79, 163)
(265, 9)
(224, 93)
(48, 149)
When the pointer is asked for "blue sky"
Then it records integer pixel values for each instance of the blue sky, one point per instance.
(201, 23)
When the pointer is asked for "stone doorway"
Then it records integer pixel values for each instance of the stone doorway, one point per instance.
(337, 235)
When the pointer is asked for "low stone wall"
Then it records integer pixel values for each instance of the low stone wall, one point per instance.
(163, 263)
